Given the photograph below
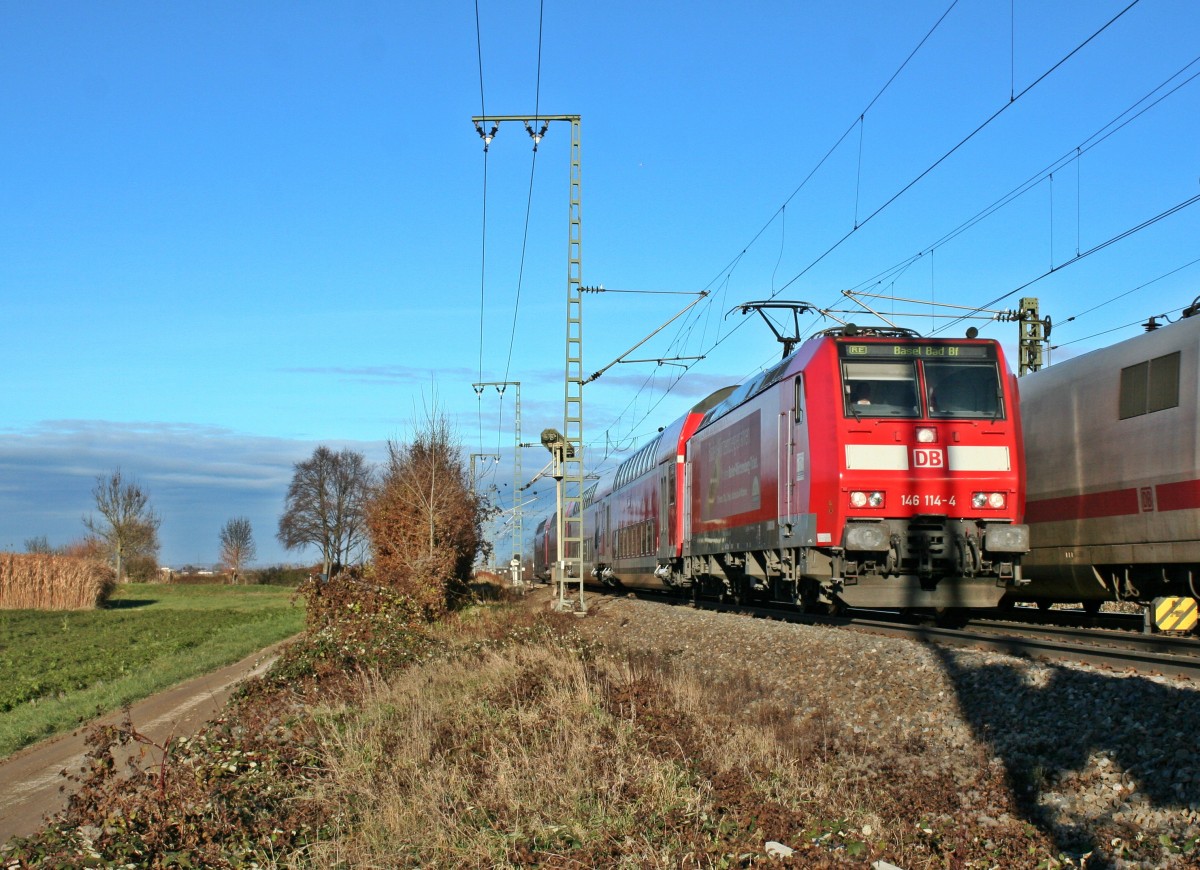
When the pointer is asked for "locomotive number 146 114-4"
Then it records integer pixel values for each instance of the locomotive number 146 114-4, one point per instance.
(927, 500)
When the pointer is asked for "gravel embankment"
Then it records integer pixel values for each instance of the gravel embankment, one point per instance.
(1103, 758)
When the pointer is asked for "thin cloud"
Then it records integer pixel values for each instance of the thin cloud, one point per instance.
(198, 477)
(386, 375)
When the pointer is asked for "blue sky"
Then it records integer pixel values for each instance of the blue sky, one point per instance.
(230, 232)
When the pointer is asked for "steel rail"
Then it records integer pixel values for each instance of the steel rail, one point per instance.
(1148, 654)
(1111, 649)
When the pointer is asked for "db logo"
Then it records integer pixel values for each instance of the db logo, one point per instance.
(928, 457)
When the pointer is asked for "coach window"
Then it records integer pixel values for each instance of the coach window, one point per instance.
(1150, 386)
(959, 389)
(879, 389)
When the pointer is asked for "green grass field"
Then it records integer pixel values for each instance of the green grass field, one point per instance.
(60, 669)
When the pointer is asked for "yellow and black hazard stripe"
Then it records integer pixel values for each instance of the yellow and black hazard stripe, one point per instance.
(1174, 613)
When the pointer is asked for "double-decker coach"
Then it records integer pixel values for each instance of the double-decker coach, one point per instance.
(634, 517)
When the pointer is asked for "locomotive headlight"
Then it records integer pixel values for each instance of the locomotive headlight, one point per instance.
(993, 500)
(860, 499)
(925, 435)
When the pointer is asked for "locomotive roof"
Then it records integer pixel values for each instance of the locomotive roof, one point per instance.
(839, 335)
(754, 386)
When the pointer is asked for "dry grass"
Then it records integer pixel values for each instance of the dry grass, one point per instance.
(511, 739)
(487, 762)
(38, 581)
(556, 753)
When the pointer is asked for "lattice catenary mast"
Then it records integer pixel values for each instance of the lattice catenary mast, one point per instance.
(570, 486)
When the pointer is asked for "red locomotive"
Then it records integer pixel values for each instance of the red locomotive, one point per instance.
(870, 468)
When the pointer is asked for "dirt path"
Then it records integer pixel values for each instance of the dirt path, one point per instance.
(31, 784)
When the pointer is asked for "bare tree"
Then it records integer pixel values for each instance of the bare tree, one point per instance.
(325, 505)
(40, 544)
(424, 519)
(127, 524)
(237, 545)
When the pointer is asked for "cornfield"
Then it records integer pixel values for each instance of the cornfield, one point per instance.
(39, 581)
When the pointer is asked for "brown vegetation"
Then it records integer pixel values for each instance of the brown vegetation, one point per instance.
(40, 581)
(508, 737)
(424, 521)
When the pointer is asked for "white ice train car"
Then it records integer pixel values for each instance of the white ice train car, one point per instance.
(1113, 459)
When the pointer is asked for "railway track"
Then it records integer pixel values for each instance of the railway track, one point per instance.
(1119, 649)
(1106, 648)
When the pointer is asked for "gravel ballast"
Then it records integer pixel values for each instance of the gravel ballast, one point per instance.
(1103, 763)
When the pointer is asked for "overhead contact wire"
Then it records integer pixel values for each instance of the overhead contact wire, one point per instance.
(1087, 311)
(1095, 139)
(1093, 250)
(725, 274)
(483, 239)
(961, 143)
(537, 96)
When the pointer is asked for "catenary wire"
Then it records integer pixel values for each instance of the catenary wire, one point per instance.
(932, 166)
(959, 145)
(1142, 286)
(1119, 122)
(727, 271)
(1093, 250)
(1105, 132)
(483, 230)
(537, 94)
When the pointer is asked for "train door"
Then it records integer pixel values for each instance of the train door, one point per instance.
(662, 540)
(790, 463)
(610, 541)
(687, 506)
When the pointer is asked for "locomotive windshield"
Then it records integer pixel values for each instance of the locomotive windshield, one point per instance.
(880, 389)
(960, 388)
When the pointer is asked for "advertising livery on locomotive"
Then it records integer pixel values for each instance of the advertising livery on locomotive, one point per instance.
(870, 468)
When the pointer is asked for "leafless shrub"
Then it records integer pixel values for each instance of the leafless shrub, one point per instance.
(424, 521)
(237, 546)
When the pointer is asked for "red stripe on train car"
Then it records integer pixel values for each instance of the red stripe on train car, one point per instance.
(1183, 495)
(1111, 503)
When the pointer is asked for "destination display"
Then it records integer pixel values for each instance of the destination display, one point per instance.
(909, 350)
